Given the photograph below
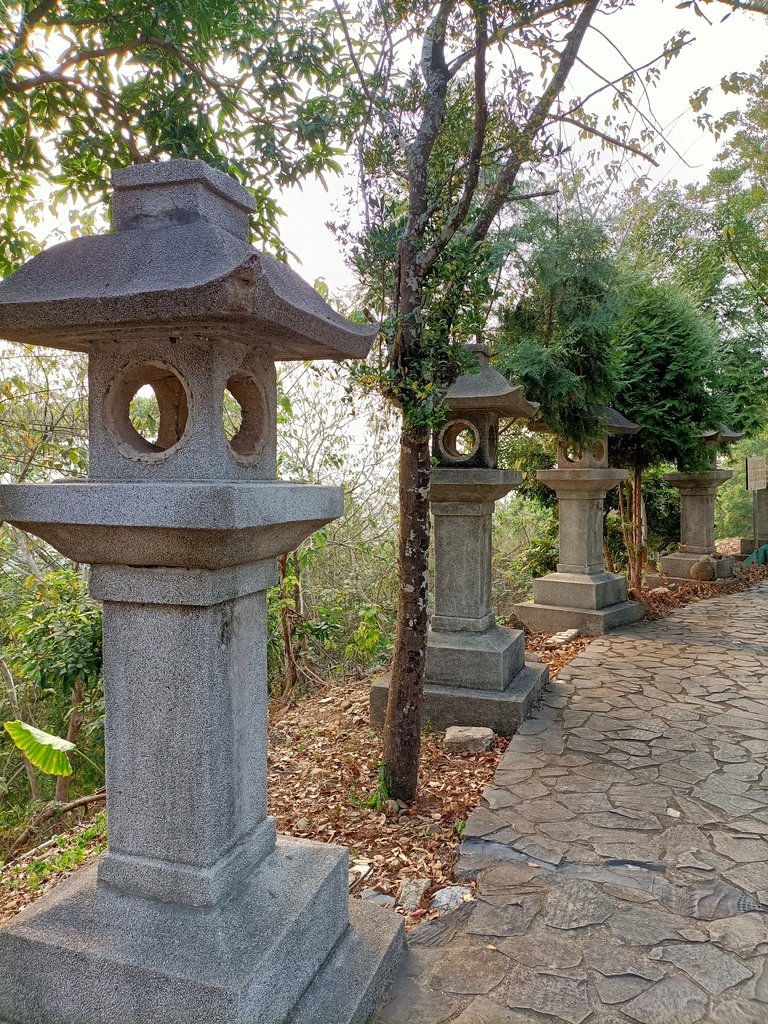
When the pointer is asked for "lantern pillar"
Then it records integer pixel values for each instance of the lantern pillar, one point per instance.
(697, 526)
(197, 912)
(476, 673)
(580, 594)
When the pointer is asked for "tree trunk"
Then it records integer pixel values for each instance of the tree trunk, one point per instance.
(637, 554)
(608, 557)
(287, 624)
(76, 719)
(402, 726)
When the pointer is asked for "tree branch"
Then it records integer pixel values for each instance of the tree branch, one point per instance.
(29, 20)
(436, 79)
(505, 30)
(458, 214)
(610, 139)
(536, 119)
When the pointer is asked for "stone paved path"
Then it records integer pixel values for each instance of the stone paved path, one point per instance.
(622, 854)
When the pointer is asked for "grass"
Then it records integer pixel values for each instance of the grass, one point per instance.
(66, 852)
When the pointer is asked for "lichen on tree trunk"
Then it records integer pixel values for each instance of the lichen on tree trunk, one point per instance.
(402, 727)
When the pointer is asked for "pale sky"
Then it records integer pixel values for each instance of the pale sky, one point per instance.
(738, 44)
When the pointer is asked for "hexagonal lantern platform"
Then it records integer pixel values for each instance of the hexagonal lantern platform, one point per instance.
(581, 594)
(476, 672)
(196, 912)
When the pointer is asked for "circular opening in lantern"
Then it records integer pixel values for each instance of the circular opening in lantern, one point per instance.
(459, 440)
(244, 417)
(573, 455)
(147, 411)
(144, 413)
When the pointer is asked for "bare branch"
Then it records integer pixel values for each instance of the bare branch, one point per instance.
(536, 119)
(508, 30)
(610, 139)
(458, 214)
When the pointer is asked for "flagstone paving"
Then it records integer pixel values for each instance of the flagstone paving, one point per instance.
(622, 851)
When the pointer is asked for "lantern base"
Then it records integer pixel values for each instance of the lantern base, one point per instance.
(476, 661)
(287, 946)
(679, 565)
(593, 603)
(544, 618)
(443, 706)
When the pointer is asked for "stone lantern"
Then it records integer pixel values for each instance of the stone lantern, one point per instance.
(697, 518)
(475, 673)
(581, 594)
(196, 912)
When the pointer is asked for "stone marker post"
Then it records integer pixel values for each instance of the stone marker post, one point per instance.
(196, 912)
(581, 594)
(476, 673)
(697, 518)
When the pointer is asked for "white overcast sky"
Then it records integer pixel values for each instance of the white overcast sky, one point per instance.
(738, 44)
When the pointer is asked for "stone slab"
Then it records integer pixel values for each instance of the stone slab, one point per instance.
(475, 661)
(574, 590)
(446, 705)
(358, 971)
(551, 619)
(678, 566)
(88, 952)
(191, 525)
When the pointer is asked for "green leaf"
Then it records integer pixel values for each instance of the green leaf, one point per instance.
(42, 749)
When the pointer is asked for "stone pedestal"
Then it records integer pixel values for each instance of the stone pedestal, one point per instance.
(581, 594)
(197, 912)
(760, 521)
(697, 524)
(476, 673)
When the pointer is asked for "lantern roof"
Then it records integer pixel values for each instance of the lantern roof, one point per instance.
(614, 421)
(178, 261)
(723, 435)
(487, 390)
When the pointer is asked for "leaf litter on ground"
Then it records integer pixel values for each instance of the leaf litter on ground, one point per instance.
(324, 762)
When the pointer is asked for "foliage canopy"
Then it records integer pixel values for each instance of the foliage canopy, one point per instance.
(90, 85)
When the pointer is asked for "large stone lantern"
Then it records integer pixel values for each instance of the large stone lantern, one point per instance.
(698, 492)
(581, 594)
(475, 673)
(197, 912)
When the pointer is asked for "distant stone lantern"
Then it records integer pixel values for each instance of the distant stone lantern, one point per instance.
(581, 594)
(196, 912)
(698, 491)
(476, 673)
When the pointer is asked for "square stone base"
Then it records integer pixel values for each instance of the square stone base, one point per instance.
(284, 947)
(542, 618)
(443, 706)
(678, 566)
(579, 590)
(475, 661)
(592, 603)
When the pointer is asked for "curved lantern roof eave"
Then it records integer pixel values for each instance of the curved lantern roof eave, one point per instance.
(487, 390)
(174, 270)
(616, 423)
(723, 435)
